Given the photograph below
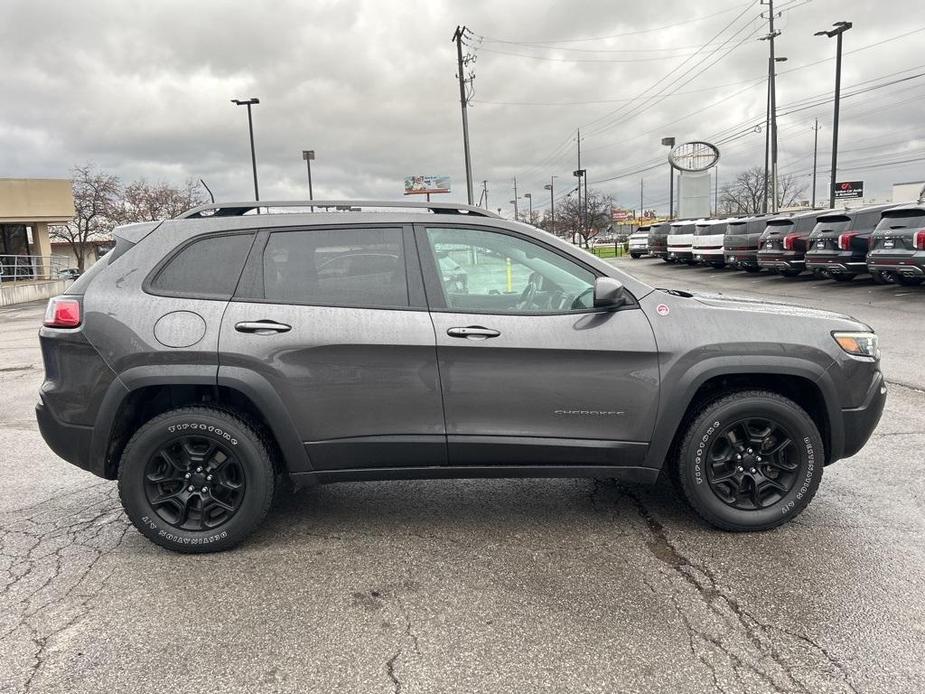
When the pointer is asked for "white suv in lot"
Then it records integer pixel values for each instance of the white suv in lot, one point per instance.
(680, 241)
(639, 241)
(708, 242)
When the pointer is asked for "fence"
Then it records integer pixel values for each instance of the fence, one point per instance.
(610, 250)
(30, 268)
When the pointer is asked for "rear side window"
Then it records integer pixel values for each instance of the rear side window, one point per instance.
(336, 267)
(207, 268)
(867, 220)
(805, 223)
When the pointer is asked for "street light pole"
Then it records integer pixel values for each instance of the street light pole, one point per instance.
(309, 155)
(250, 128)
(529, 197)
(552, 204)
(669, 142)
(840, 28)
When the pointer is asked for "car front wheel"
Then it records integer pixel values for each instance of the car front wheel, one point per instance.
(751, 460)
(196, 479)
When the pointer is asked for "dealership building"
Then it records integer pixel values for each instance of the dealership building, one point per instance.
(27, 208)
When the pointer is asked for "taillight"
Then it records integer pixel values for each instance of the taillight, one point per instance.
(789, 241)
(844, 240)
(62, 312)
(920, 240)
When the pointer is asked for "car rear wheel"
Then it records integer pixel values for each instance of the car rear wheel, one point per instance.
(751, 460)
(790, 273)
(842, 277)
(634, 256)
(909, 281)
(718, 266)
(751, 268)
(196, 479)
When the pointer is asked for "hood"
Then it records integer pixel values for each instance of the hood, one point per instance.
(771, 307)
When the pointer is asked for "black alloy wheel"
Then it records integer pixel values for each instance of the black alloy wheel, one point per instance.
(749, 465)
(194, 483)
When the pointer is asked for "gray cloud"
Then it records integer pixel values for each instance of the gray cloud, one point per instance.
(143, 89)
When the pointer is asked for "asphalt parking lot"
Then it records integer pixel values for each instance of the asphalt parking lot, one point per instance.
(480, 586)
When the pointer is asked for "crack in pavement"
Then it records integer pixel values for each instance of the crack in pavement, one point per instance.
(758, 655)
(50, 555)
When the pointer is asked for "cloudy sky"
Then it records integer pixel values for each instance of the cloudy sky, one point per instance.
(143, 89)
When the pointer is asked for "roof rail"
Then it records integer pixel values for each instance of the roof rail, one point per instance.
(236, 209)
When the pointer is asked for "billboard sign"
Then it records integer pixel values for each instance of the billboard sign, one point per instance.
(424, 185)
(618, 214)
(846, 190)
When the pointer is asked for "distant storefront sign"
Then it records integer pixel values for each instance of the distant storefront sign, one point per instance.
(424, 185)
(618, 214)
(847, 190)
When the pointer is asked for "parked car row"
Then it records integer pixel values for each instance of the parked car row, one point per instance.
(887, 241)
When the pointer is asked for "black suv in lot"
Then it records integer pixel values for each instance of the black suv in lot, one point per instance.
(208, 359)
(897, 246)
(658, 240)
(838, 244)
(782, 245)
(740, 242)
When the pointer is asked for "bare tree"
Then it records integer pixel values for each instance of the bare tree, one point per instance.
(745, 195)
(149, 202)
(96, 199)
(570, 216)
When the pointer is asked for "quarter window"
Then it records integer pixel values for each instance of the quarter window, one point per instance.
(209, 267)
(489, 272)
(336, 267)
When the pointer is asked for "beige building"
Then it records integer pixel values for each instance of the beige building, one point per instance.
(27, 208)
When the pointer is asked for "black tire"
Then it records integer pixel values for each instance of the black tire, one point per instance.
(909, 281)
(796, 468)
(842, 277)
(718, 266)
(790, 273)
(635, 256)
(820, 274)
(751, 268)
(219, 451)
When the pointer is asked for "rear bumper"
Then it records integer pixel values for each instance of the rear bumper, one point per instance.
(860, 422)
(909, 266)
(68, 441)
(781, 261)
(836, 264)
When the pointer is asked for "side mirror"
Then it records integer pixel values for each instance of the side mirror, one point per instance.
(609, 293)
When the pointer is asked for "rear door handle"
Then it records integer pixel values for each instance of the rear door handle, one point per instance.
(262, 327)
(474, 332)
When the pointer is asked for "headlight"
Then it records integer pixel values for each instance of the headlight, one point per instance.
(859, 344)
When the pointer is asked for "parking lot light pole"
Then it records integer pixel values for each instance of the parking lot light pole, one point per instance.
(669, 142)
(250, 128)
(529, 197)
(552, 204)
(840, 28)
(309, 155)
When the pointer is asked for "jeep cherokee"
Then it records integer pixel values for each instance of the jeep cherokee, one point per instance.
(209, 359)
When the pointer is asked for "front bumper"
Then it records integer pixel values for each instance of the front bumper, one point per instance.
(859, 422)
(68, 441)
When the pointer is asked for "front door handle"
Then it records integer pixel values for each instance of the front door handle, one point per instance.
(474, 332)
(262, 327)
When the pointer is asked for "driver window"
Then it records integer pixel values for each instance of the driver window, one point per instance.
(490, 272)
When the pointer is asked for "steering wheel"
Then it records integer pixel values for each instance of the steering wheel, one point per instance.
(528, 294)
(577, 302)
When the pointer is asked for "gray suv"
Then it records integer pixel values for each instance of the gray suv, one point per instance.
(208, 360)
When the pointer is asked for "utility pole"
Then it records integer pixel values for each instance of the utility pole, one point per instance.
(642, 189)
(250, 128)
(716, 191)
(463, 101)
(552, 204)
(579, 174)
(767, 142)
(516, 216)
(772, 104)
(840, 28)
(815, 153)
